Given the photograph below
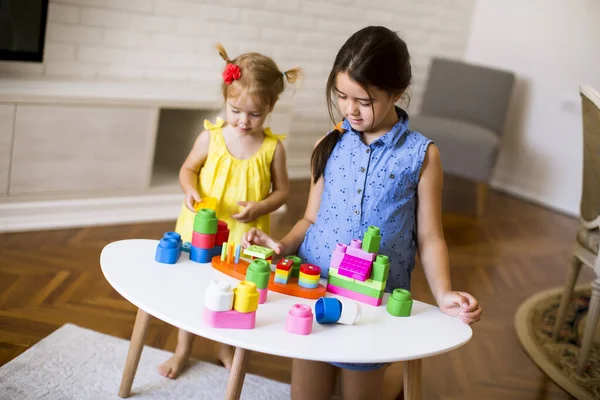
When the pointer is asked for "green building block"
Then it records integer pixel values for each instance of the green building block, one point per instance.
(258, 272)
(258, 251)
(381, 268)
(400, 303)
(206, 221)
(371, 240)
(350, 284)
(296, 268)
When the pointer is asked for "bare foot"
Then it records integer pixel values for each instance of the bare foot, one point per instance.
(226, 355)
(173, 366)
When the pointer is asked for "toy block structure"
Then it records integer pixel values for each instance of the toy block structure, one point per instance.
(296, 268)
(208, 236)
(400, 303)
(356, 270)
(185, 225)
(283, 271)
(259, 272)
(169, 248)
(226, 263)
(329, 310)
(309, 276)
(299, 320)
(231, 309)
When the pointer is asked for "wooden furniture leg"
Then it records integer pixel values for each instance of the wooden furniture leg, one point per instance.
(142, 320)
(566, 295)
(241, 358)
(412, 380)
(482, 193)
(590, 328)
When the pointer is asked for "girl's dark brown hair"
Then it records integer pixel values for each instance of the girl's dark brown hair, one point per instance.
(372, 57)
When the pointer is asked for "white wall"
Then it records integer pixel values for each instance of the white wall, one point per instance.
(172, 40)
(552, 46)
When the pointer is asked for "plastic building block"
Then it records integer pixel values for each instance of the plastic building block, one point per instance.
(230, 253)
(167, 251)
(400, 303)
(224, 251)
(262, 295)
(369, 283)
(299, 320)
(203, 240)
(259, 272)
(372, 240)
(186, 247)
(328, 310)
(258, 251)
(296, 268)
(218, 296)
(309, 276)
(173, 235)
(236, 259)
(200, 255)
(355, 250)
(380, 268)
(215, 251)
(338, 255)
(355, 268)
(222, 233)
(207, 202)
(283, 271)
(246, 297)
(354, 295)
(229, 319)
(351, 313)
(206, 221)
(355, 286)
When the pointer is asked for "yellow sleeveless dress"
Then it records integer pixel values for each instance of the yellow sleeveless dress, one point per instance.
(230, 180)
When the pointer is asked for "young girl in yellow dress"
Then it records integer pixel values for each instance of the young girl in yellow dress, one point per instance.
(239, 162)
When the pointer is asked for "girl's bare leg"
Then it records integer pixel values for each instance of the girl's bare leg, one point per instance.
(362, 385)
(312, 380)
(174, 365)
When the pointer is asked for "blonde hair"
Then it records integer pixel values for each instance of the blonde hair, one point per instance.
(260, 77)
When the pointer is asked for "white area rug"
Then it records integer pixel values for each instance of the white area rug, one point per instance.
(75, 364)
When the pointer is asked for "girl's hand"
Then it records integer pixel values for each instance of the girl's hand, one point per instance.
(258, 237)
(249, 213)
(461, 305)
(191, 198)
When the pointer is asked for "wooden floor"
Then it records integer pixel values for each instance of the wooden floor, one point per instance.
(50, 278)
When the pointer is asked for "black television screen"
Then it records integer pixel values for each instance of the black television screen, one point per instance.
(22, 29)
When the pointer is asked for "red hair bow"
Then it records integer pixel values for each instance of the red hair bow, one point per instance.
(231, 73)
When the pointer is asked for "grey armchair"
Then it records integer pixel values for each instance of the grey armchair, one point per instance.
(463, 112)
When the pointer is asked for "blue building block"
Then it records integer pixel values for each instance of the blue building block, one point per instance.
(237, 254)
(201, 255)
(328, 310)
(175, 236)
(308, 285)
(280, 280)
(216, 251)
(186, 247)
(167, 251)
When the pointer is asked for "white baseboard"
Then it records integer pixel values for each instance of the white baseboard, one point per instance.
(55, 214)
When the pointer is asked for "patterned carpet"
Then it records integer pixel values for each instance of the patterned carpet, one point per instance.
(534, 323)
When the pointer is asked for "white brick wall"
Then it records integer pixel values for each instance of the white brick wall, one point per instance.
(172, 40)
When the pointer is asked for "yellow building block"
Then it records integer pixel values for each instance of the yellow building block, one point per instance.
(245, 297)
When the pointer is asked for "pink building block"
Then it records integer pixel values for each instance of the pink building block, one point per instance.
(355, 250)
(262, 295)
(363, 298)
(355, 268)
(338, 255)
(299, 320)
(229, 319)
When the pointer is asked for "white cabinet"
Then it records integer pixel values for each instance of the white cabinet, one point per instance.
(7, 117)
(70, 148)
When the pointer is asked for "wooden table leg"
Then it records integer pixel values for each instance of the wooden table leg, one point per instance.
(241, 359)
(412, 380)
(135, 351)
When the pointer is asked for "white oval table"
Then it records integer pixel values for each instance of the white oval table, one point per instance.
(175, 294)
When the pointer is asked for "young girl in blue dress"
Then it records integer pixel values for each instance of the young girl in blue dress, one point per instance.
(372, 170)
